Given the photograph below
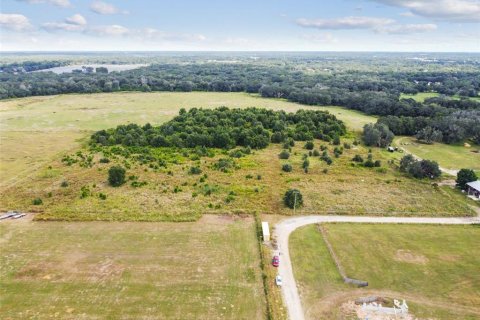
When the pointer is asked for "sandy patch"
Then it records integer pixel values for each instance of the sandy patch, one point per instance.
(410, 257)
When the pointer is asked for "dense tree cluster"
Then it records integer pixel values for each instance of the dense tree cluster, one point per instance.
(454, 127)
(226, 128)
(377, 135)
(420, 168)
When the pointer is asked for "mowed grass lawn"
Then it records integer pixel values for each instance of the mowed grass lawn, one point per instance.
(34, 130)
(448, 156)
(203, 270)
(435, 268)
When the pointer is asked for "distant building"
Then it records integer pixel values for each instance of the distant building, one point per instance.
(473, 189)
(265, 231)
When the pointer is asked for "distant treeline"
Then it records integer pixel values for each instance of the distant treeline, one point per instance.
(226, 128)
(29, 66)
(375, 93)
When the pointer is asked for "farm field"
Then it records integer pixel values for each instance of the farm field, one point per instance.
(448, 156)
(45, 126)
(209, 269)
(432, 267)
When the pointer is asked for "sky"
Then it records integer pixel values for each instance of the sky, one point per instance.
(240, 25)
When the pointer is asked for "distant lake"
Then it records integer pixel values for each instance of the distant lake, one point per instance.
(110, 67)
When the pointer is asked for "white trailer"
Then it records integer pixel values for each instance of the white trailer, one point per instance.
(265, 231)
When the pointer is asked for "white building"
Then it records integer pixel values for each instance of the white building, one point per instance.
(473, 189)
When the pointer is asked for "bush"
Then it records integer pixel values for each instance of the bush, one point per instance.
(420, 169)
(369, 163)
(64, 184)
(284, 154)
(287, 167)
(357, 158)
(293, 198)
(465, 176)
(309, 145)
(116, 176)
(336, 140)
(195, 170)
(84, 192)
(316, 153)
(378, 163)
(104, 160)
(224, 164)
(37, 202)
(102, 196)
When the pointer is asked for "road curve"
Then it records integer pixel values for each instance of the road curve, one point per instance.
(283, 230)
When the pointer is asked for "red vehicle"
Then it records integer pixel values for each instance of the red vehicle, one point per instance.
(275, 261)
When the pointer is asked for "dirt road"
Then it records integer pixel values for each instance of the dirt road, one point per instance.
(286, 227)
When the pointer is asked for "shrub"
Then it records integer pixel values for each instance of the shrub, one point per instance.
(369, 163)
(293, 198)
(277, 137)
(104, 160)
(465, 176)
(37, 202)
(195, 170)
(116, 176)
(64, 184)
(287, 167)
(284, 154)
(84, 192)
(357, 158)
(336, 140)
(102, 196)
(305, 164)
(316, 153)
(378, 163)
(309, 145)
(224, 164)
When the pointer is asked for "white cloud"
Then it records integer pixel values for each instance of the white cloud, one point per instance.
(345, 23)
(110, 30)
(15, 22)
(101, 7)
(453, 10)
(407, 14)
(408, 28)
(154, 34)
(321, 38)
(60, 26)
(76, 19)
(58, 3)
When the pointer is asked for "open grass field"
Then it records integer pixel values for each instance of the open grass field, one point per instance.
(209, 269)
(420, 97)
(257, 184)
(35, 130)
(434, 268)
(448, 156)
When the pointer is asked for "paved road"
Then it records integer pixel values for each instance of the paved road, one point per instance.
(284, 228)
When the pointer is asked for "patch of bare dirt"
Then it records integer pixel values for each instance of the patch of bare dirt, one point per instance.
(410, 257)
